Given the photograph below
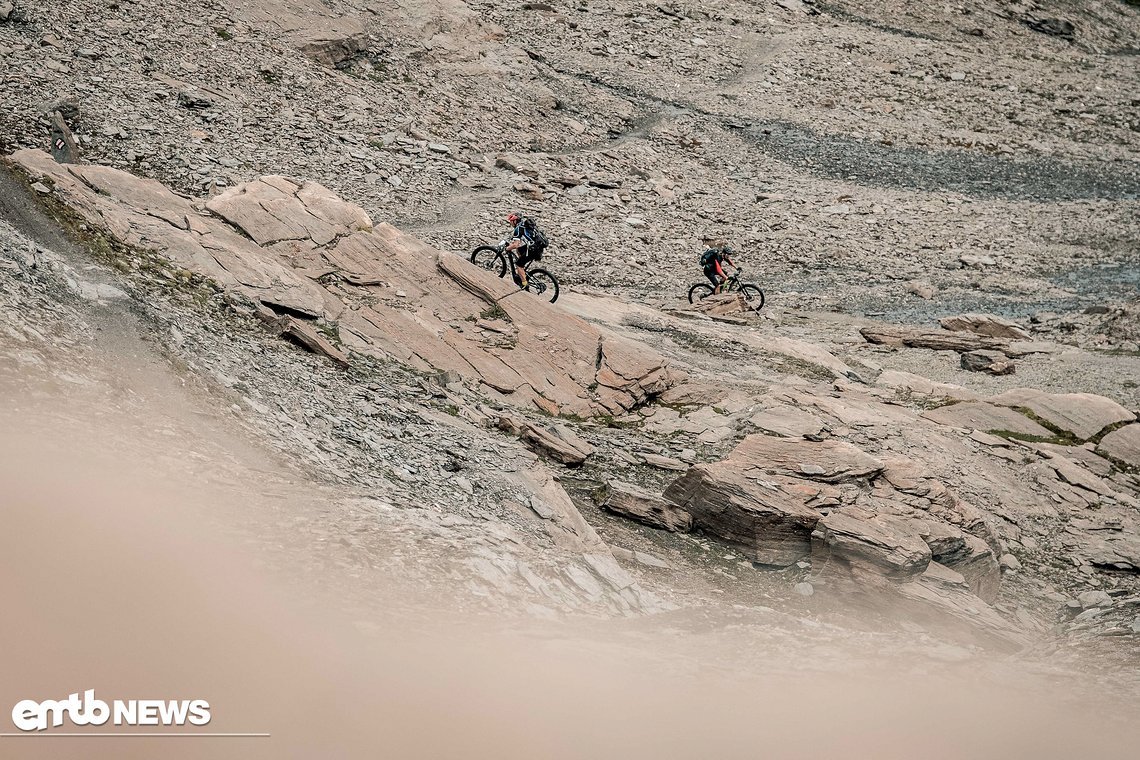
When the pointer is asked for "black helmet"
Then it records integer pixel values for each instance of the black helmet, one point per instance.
(727, 250)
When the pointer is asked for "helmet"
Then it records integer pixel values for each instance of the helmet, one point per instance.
(514, 218)
(727, 250)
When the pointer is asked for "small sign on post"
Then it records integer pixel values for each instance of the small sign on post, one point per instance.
(63, 146)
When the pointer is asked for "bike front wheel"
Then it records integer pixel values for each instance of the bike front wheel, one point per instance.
(490, 258)
(700, 292)
(543, 284)
(753, 296)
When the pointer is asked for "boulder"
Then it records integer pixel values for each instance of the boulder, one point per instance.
(1122, 445)
(644, 507)
(768, 520)
(555, 441)
(664, 462)
(965, 554)
(938, 340)
(868, 546)
(1082, 415)
(993, 362)
(985, 324)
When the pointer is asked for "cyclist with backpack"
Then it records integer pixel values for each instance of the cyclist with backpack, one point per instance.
(712, 261)
(528, 241)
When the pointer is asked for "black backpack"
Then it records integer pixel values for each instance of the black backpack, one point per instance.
(538, 241)
(708, 256)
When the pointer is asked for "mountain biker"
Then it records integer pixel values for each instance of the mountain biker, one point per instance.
(528, 241)
(712, 261)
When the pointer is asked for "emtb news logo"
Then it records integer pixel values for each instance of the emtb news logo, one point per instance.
(86, 710)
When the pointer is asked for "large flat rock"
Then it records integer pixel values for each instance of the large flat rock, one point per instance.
(829, 461)
(979, 415)
(985, 324)
(142, 213)
(1083, 415)
(1123, 445)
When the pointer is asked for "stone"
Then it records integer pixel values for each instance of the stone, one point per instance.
(788, 421)
(1083, 415)
(949, 607)
(1010, 562)
(644, 507)
(963, 553)
(979, 415)
(867, 545)
(304, 335)
(650, 560)
(63, 146)
(985, 324)
(945, 340)
(333, 42)
(664, 463)
(804, 589)
(195, 98)
(721, 304)
(957, 76)
(41, 188)
(275, 209)
(769, 523)
(1122, 445)
(992, 362)
(923, 290)
(830, 461)
(557, 442)
(1094, 598)
(1054, 27)
(916, 385)
(6, 8)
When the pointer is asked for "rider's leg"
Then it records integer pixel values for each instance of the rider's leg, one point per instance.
(520, 265)
(719, 279)
(710, 273)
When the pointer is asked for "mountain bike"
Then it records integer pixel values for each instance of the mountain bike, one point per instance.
(753, 295)
(499, 260)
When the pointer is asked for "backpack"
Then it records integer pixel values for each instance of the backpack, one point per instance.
(708, 257)
(538, 241)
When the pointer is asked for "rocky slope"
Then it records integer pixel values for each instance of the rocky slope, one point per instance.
(314, 168)
(854, 478)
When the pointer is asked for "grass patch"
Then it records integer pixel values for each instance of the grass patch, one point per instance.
(1010, 435)
(225, 34)
(1064, 437)
(495, 312)
(330, 330)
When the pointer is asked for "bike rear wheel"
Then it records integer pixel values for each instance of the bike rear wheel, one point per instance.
(700, 292)
(543, 284)
(490, 258)
(753, 296)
